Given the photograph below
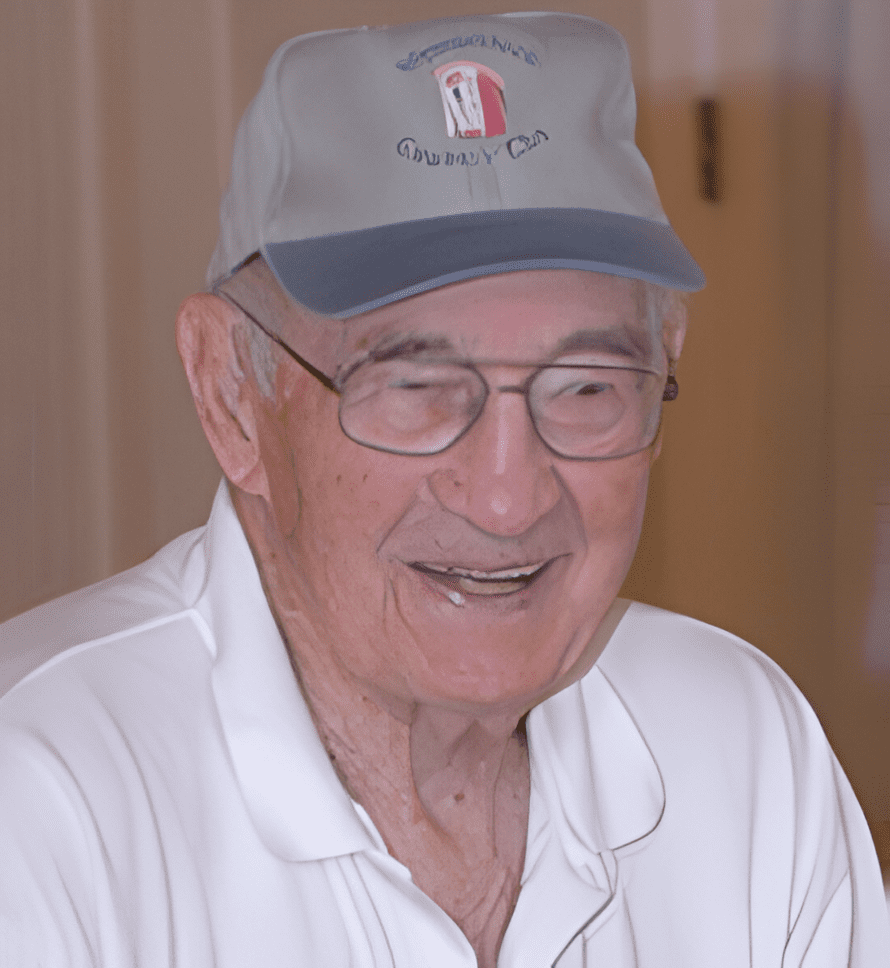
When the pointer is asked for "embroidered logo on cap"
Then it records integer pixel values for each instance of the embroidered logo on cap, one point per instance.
(473, 98)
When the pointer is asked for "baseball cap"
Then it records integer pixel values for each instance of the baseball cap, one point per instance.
(381, 162)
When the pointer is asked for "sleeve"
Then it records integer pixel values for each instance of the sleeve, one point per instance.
(838, 915)
(831, 942)
(48, 905)
(868, 913)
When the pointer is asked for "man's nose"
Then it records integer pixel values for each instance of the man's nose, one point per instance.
(500, 475)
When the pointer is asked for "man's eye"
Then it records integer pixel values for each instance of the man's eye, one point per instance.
(429, 386)
(414, 385)
(587, 389)
(583, 388)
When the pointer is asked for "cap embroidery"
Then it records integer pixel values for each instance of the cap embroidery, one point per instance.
(416, 58)
(473, 98)
(515, 148)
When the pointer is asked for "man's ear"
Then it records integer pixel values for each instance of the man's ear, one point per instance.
(673, 332)
(224, 397)
(673, 327)
(655, 451)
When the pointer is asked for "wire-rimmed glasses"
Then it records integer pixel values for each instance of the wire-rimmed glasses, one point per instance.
(416, 404)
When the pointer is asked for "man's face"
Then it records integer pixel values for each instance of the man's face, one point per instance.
(366, 535)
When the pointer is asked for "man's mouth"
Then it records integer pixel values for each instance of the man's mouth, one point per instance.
(471, 581)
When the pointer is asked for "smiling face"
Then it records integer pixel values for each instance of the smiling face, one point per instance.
(475, 577)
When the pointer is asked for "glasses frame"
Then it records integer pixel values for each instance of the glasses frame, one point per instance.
(669, 393)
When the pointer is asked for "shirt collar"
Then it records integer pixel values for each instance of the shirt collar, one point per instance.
(595, 788)
(593, 775)
(590, 765)
(298, 805)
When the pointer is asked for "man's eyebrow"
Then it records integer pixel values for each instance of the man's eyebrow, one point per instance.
(408, 344)
(391, 346)
(613, 341)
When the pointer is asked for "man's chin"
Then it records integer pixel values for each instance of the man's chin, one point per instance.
(492, 651)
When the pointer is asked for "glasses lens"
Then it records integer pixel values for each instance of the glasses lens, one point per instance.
(409, 407)
(596, 412)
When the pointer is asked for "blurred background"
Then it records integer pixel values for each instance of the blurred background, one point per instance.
(770, 506)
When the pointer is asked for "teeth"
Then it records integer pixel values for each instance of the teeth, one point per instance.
(474, 586)
(476, 582)
(507, 574)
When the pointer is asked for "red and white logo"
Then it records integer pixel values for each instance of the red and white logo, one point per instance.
(473, 98)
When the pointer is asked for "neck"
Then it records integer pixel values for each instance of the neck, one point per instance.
(448, 793)
(436, 773)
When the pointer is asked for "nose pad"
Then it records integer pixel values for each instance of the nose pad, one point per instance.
(500, 476)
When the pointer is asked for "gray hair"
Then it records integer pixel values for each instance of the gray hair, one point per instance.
(265, 356)
(663, 311)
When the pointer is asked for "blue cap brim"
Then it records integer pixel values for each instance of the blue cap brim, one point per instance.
(348, 273)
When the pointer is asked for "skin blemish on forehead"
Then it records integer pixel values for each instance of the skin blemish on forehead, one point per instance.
(525, 318)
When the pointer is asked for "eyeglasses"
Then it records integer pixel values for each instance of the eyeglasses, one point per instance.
(419, 406)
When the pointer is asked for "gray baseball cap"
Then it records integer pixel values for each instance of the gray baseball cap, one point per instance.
(382, 162)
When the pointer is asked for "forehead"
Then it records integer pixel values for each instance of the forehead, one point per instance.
(525, 315)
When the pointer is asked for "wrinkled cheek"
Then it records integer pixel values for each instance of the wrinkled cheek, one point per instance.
(614, 518)
(334, 547)
(636, 509)
(286, 496)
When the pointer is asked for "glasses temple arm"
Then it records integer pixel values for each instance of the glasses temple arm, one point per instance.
(322, 378)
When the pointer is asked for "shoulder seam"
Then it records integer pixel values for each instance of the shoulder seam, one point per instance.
(75, 650)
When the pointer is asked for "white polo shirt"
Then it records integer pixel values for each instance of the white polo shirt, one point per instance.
(165, 800)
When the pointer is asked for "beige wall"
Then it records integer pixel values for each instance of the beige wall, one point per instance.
(767, 502)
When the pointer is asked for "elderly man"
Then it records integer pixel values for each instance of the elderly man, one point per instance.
(385, 710)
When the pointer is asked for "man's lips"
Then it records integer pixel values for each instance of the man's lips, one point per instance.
(474, 581)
